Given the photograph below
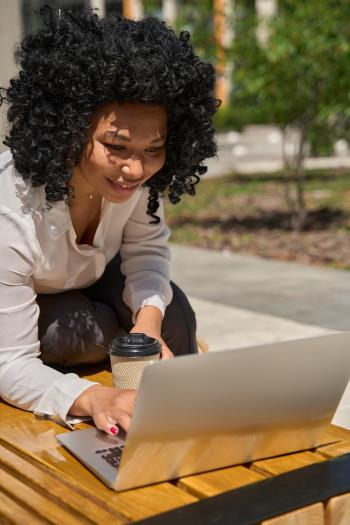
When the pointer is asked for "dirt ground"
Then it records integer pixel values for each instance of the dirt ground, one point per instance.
(258, 224)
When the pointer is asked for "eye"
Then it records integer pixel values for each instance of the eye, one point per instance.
(119, 147)
(154, 150)
(116, 147)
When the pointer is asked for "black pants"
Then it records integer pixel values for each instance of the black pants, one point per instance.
(75, 327)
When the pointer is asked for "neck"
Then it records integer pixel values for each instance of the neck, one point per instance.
(82, 189)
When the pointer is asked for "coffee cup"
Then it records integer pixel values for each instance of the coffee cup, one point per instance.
(130, 354)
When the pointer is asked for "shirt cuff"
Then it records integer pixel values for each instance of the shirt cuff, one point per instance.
(153, 300)
(58, 399)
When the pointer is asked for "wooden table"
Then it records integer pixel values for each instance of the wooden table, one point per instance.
(41, 483)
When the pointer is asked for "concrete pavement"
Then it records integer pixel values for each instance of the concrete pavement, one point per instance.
(307, 295)
(258, 149)
(243, 301)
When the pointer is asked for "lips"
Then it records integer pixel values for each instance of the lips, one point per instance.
(121, 187)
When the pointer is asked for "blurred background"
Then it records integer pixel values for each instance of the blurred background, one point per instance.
(279, 187)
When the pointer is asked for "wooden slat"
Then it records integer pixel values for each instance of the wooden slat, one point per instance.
(36, 439)
(12, 513)
(213, 483)
(338, 433)
(202, 345)
(43, 482)
(312, 515)
(41, 462)
(100, 376)
(281, 464)
(337, 449)
(35, 502)
(274, 496)
(341, 445)
(134, 504)
(152, 500)
(337, 511)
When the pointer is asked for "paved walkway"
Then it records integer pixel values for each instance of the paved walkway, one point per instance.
(260, 299)
(243, 300)
(258, 149)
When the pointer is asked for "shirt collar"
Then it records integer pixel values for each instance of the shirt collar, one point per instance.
(33, 201)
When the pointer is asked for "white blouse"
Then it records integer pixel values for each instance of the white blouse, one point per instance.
(39, 254)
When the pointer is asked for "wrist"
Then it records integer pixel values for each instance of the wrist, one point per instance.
(148, 319)
(82, 404)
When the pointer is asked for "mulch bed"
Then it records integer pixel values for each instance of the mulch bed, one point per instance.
(259, 225)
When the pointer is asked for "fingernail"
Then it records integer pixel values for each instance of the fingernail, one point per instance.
(114, 430)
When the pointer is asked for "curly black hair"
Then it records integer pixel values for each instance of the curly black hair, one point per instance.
(79, 62)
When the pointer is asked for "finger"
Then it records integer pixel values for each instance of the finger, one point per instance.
(124, 420)
(166, 353)
(120, 418)
(106, 423)
(113, 428)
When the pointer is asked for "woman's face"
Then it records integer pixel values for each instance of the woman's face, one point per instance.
(126, 147)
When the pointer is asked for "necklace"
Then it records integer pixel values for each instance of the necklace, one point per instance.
(91, 196)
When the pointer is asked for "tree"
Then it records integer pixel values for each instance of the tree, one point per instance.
(198, 20)
(299, 80)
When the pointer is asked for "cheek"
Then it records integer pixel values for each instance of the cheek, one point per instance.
(100, 158)
(159, 162)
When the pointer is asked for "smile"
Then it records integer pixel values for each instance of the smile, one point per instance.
(120, 187)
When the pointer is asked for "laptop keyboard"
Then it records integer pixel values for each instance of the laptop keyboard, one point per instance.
(111, 455)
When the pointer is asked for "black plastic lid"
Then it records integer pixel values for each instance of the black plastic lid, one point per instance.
(134, 345)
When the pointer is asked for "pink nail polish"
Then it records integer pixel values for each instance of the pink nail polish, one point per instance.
(114, 430)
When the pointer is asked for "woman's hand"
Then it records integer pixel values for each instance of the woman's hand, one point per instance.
(166, 352)
(107, 406)
(149, 322)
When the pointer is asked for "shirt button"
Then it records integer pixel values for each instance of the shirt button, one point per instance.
(53, 230)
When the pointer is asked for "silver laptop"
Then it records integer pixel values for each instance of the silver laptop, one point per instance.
(201, 412)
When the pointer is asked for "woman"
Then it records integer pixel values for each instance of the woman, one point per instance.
(105, 116)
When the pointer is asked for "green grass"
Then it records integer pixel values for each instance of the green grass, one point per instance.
(219, 195)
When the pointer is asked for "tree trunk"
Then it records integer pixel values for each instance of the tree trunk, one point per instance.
(299, 180)
(288, 195)
(294, 180)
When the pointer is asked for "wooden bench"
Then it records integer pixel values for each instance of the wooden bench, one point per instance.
(41, 483)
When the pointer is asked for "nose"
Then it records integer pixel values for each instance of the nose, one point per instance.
(133, 169)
